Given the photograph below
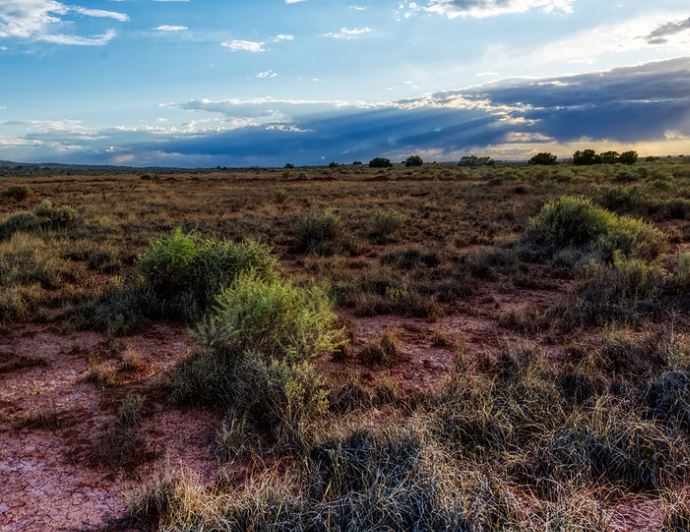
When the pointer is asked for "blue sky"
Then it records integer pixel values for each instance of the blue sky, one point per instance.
(264, 82)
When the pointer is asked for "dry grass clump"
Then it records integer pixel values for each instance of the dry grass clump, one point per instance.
(319, 232)
(18, 192)
(384, 350)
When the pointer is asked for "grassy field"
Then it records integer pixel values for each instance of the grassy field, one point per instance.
(439, 347)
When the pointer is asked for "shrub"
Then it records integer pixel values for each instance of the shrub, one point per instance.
(386, 224)
(25, 221)
(258, 343)
(275, 317)
(544, 159)
(55, 218)
(184, 271)
(380, 162)
(628, 157)
(18, 192)
(570, 221)
(414, 160)
(43, 217)
(322, 233)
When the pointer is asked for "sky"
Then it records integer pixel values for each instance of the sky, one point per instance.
(203, 83)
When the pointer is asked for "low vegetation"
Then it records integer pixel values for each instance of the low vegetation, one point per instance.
(482, 346)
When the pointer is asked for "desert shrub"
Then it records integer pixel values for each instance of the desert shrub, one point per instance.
(257, 346)
(55, 218)
(273, 316)
(28, 260)
(380, 162)
(618, 198)
(24, 222)
(382, 350)
(184, 271)
(380, 291)
(386, 224)
(322, 233)
(544, 159)
(120, 309)
(177, 278)
(625, 291)
(43, 217)
(414, 160)
(571, 221)
(18, 192)
(631, 237)
(677, 208)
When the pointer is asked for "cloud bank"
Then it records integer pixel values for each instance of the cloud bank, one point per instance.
(646, 105)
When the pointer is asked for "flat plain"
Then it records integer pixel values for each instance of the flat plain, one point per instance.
(429, 348)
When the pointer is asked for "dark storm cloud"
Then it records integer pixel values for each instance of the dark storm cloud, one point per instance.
(626, 105)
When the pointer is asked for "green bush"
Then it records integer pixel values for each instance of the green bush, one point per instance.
(318, 232)
(24, 222)
(18, 192)
(571, 221)
(256, 351)
(184, 271)
(274, 316)
(43, 217)
(55, 218)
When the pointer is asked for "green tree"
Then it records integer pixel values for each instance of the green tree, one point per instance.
(380, 162)
(544, 159)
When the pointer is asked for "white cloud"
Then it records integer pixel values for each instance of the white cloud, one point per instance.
(168, 28)
(349, 33)
(282, 37)
(486, 8)
(238, 45)
(41, 20)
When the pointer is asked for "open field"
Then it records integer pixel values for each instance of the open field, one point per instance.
(428, 348)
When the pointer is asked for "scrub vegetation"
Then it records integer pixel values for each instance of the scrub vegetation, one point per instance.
(420, 346)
